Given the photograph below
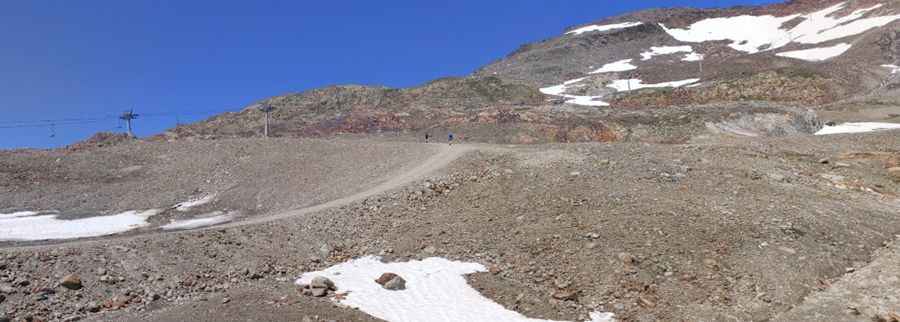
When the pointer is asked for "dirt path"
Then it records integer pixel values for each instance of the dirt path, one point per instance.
(446, 154)
(437, 162)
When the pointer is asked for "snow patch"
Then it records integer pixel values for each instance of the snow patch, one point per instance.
(210, 219)
(894, 68)
(693, 57)
(620, 85)
(29, 226)
(560, 90)
(817, 54)
(859, 127)
(618, 66)
(187, 205)
(18, 214)
(593, 28)
(436, 290)
(623, 85)
(665, 50)
(752, 34)
(586, 100)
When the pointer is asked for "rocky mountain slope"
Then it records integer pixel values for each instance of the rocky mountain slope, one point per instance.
(608, 80)
(802, 51)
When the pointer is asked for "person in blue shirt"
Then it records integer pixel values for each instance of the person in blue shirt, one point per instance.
(450, 138)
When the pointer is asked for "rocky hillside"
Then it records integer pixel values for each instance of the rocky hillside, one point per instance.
(592, 82)
(811, 52)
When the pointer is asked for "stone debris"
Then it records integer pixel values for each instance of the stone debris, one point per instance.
(391, 281)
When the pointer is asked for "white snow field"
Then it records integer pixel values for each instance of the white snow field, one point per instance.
(859, 127)
(560, 90)
(618, 66)
(30, 226)
(817, 54)
(593, 28)
(894, 68)
(436, 290)
(210, 219)
(620, 85)
(752, 34)
(693, 57)
(665, 50)
(187, 205)
(623, 85)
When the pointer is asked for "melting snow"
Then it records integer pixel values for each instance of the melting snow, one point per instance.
(620, 85)
(18, 214)
(619, 66)
(752, 34)
(665, 50)
(817, 54)
(623, 85)
(187, 205)
(894, 68)
(29, 226)
(436, 290)
(210, 219)
(693, 57)
(560, 90)
(860, 127)
(592, 28)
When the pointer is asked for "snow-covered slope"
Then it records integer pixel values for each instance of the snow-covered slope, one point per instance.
(752, 34)
(680, 47)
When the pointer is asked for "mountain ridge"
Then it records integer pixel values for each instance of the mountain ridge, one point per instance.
(805, 54)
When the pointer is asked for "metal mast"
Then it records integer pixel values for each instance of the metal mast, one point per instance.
(128, 116)
(268, 110)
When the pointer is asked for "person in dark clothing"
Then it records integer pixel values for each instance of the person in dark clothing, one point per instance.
(427, 136)
(450, 138)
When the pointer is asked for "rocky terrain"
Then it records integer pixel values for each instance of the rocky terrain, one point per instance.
(599, 171)
(737, 228)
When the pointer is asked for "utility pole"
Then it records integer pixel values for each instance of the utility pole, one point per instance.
(127, 117)
(701, 66)
(268, 110)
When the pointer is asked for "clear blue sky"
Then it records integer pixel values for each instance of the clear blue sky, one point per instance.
(93, 59)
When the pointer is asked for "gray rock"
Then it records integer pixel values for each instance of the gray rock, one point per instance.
(325, 250)
(320, 282)
(7, 289)
(391, 282)
(395, 284)
(319, 292)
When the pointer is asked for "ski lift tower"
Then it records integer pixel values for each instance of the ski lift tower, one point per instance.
(128, 116)
(268, 110)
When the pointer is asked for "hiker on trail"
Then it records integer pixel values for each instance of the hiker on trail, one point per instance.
(427, 136)
(450, 138)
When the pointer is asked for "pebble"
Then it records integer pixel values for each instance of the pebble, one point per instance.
(391, 281)
(627, 258)
(565, 295)
(320, 282)
(319, 292)
(71, 281)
